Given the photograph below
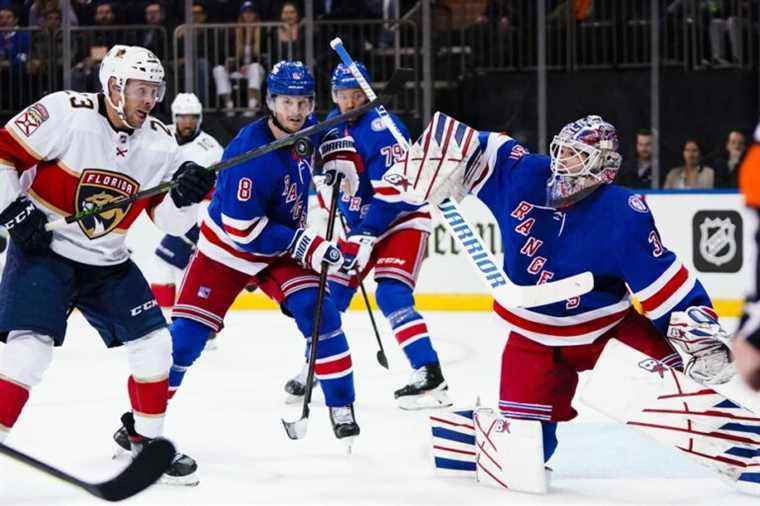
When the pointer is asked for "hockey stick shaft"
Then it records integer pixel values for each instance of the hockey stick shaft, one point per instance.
(503, 290)
(297, 429)
(300, 136)
(381, 358)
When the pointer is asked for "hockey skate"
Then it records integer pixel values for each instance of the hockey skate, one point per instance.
(344, 424)
(212, 343)
(295, 388)
(183, 468)
(426, 389)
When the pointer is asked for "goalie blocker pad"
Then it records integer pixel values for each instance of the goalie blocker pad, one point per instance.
(500, 452)
(674, 410)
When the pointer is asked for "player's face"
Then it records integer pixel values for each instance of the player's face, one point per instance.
(350, 99)
(186, 125)
(291, 111)
(571, 160)
(140, 99)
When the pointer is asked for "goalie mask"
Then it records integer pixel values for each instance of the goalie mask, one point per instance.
(583, 157)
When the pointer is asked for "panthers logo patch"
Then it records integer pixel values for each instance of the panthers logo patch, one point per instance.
(99, 187)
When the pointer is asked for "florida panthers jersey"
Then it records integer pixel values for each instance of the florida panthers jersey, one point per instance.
(257, 205)
(201, 149)
(610, 233)
(379, 151)
(81, 161)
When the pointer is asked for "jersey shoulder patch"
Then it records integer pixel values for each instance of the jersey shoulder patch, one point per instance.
(636, 203)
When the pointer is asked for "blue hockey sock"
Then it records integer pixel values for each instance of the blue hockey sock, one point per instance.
(188, 339)
(333, 366)
(397, 303)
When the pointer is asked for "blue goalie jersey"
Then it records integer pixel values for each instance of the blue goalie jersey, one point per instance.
(258, 205)
(610, 233)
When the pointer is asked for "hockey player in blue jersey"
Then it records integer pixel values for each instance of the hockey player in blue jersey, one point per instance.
(254, 231)
(560, 216)
(387, 236)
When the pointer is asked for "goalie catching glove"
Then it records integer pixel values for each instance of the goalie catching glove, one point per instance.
(703, 344)
(312, 250)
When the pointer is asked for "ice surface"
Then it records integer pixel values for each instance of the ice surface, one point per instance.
(227, 416)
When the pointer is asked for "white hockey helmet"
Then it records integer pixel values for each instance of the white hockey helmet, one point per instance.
(130, 62)
(187, 103)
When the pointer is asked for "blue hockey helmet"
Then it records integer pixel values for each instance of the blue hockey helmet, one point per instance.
(290, 78)
(343, 79)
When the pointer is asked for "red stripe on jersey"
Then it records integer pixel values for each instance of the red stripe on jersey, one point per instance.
(56, 186)
(557, 330)
(410, 332)
(333, 367)
(209, 234)
(666, 291)
(386, 190)
(241, 233)
(15, 152)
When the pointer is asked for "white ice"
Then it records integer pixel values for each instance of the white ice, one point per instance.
(227, 416)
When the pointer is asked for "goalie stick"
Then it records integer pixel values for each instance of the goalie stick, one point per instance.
(300, 139)
(141, 473)
(503, 290)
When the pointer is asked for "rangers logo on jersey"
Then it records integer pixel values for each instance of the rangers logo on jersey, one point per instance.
(98, 187)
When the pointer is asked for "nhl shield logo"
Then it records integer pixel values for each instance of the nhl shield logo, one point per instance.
(717, 241)
(98, 187)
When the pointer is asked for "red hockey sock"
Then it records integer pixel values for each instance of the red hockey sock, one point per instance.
(12, 399)
(149, 401)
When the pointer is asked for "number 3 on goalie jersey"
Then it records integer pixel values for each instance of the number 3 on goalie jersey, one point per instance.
(654, 240)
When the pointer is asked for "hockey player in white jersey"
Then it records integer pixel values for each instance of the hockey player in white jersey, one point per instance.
(174, 252)
(89, 149)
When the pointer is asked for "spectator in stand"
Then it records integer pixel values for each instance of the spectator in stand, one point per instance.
(84, 75)
(338, 9)
(39, 9)
(246, 62)
(499, 13)
(288, 41)
(692, 175)
(153, 38)
(637, 172)
(205, 50)
(727, 165)
(14, 46)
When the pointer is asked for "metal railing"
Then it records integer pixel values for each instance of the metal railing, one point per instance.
(28, 69)
(695, 34)
(231, 60)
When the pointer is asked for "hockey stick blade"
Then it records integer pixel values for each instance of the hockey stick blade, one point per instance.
(396, 83)
(382, 359)
(297, 429)
(546, 293)
(141, 473)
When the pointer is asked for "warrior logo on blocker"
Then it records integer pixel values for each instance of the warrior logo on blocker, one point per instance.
(98, 187)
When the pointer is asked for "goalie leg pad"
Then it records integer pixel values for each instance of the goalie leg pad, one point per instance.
(510, 452)
(667, 406)
(454, 443)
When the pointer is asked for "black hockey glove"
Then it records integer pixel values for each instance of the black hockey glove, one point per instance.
(193, 184)
(26, 226)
